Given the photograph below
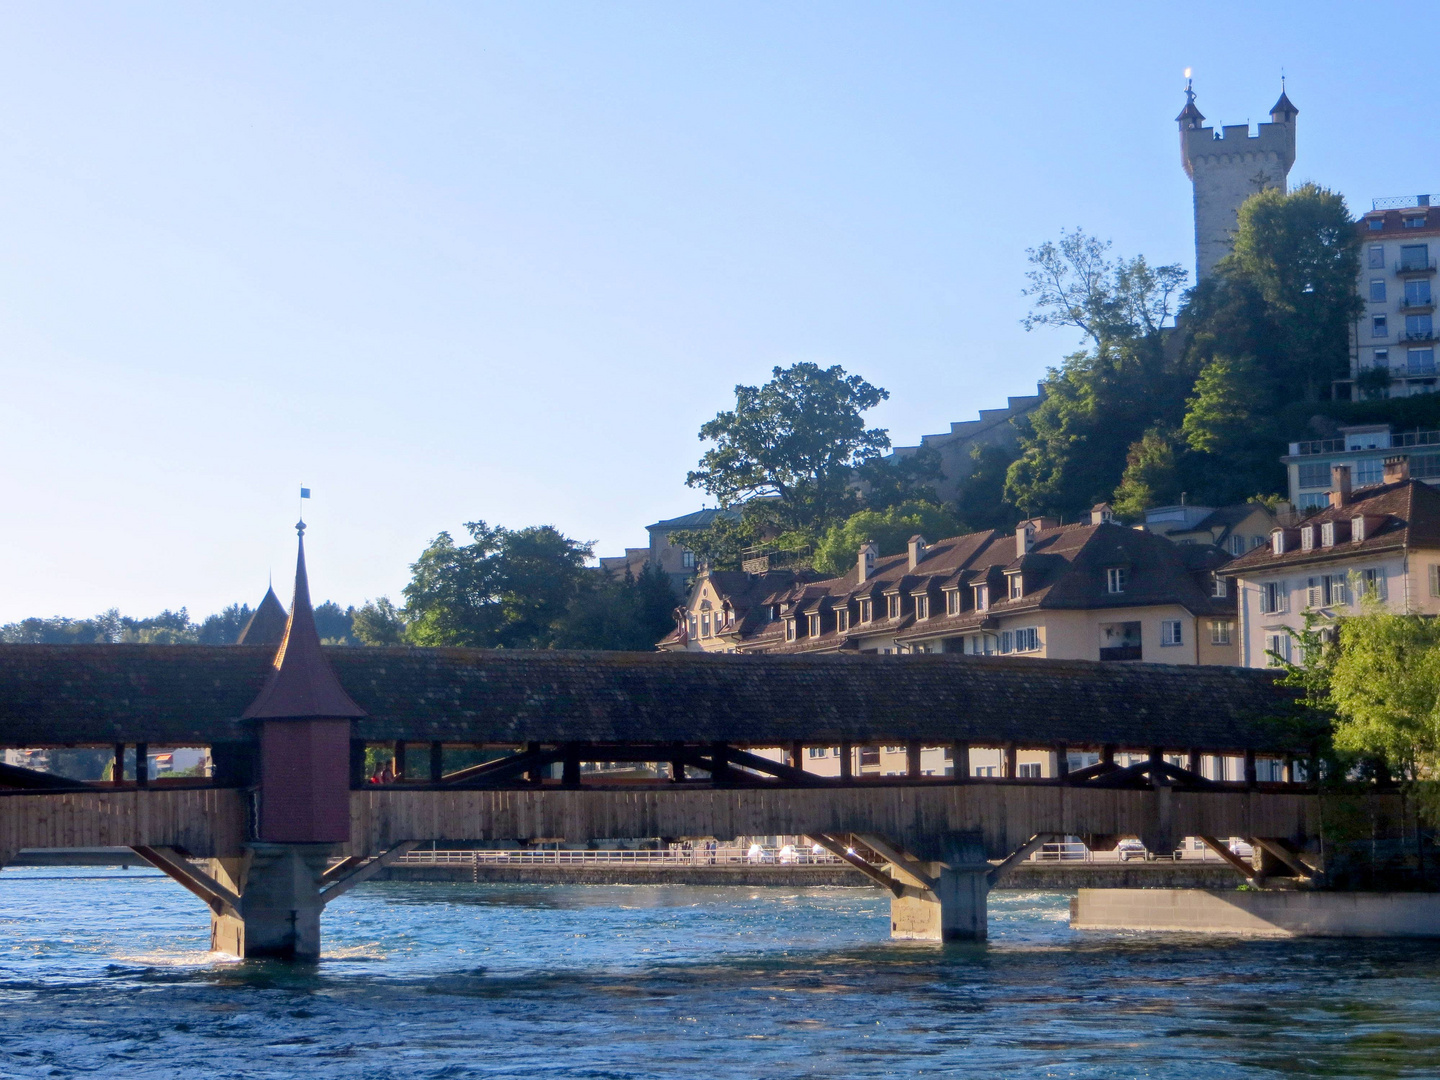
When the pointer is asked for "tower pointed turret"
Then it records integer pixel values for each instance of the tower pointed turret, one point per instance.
(1283, 112)
(1190, 117)
(267, 623)
(302, 684)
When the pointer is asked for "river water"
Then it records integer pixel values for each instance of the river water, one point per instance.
(104, 973)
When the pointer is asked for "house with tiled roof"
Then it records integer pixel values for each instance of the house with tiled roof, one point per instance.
(1096, 591)
(1233, 529)
(1381, 541)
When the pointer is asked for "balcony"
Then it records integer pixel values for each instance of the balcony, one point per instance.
(1420, 370)
(1409, 269)
(1121, 652)
(1419, 307)
(1318, 446)
(1419, 335)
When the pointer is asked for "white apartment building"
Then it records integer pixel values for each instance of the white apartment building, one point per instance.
(1392, 350)
(1362, 449)
(1381, 541)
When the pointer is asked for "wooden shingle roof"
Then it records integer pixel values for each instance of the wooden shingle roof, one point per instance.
(186, 694)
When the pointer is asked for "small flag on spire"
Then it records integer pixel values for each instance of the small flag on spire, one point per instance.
(304, 493)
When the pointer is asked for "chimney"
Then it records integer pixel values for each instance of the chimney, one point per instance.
(917, 550)
(1397, 469)
(866, 562)
(1024, 534)
(1340, 485)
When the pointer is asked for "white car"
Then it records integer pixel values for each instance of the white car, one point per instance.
(1240, 848)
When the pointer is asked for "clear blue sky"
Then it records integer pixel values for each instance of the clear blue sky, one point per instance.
(453, 261)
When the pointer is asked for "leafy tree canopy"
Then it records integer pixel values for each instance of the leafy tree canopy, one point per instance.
(1074, 283)
(520, 589)
(890, 528)
(505, 589)
(796, 439)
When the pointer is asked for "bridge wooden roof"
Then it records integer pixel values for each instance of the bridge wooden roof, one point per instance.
(186, 694)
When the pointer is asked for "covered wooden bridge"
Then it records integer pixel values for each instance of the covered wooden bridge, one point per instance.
(289, 799)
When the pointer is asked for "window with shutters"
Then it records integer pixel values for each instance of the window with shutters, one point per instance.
(1435, 581)
(1372, 583)
(1337, 590)
(1277, 649)
(1273, 598)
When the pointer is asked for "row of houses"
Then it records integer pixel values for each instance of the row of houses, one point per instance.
(1191, 586)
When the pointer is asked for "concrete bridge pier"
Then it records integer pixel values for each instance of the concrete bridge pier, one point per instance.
(953, 908)
(944, 899)
(278, 914)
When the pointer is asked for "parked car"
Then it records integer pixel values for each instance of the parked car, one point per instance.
(1241, 849)
(1134, 849)
(1131, 849)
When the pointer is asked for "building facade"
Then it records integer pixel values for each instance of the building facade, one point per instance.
(1227, 167)
(677, 562)
(1381, 542)
(994, 428)
(1082, 592)
(1362, 450)
(1392, 344)
(1233, 529)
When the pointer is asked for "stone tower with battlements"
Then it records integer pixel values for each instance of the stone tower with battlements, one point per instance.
(1227, 167)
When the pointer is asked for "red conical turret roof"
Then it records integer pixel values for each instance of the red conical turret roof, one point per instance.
(267, 624)
(302, 685)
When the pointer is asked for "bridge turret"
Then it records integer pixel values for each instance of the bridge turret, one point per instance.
(267, 624)
(304, 805)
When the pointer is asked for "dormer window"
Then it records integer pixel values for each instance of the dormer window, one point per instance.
(982, 597)
(867, 610)
(1357, 529)
(922, 607)
(1327, 534)
(1277, 542)
(842, 619)
(1017, 586)
(892, 606)
(1217, 587)
(789, 629)
(813, 627)
(1307, 538)
(952, 602)
(1115, 579)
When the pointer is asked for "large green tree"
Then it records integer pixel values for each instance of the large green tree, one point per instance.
(507, 588)
(1099, 402)
(789, 448)
(1268, 333)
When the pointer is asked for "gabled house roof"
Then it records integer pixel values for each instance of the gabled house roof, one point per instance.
(1401, 515)
(1064, 568)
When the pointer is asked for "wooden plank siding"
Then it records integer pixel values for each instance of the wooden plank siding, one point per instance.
(205, 822)
(1006, 815)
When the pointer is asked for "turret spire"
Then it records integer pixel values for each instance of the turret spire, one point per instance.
(1190, 116)
(302, 684)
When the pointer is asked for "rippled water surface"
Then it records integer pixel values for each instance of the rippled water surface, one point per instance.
(105, 973)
